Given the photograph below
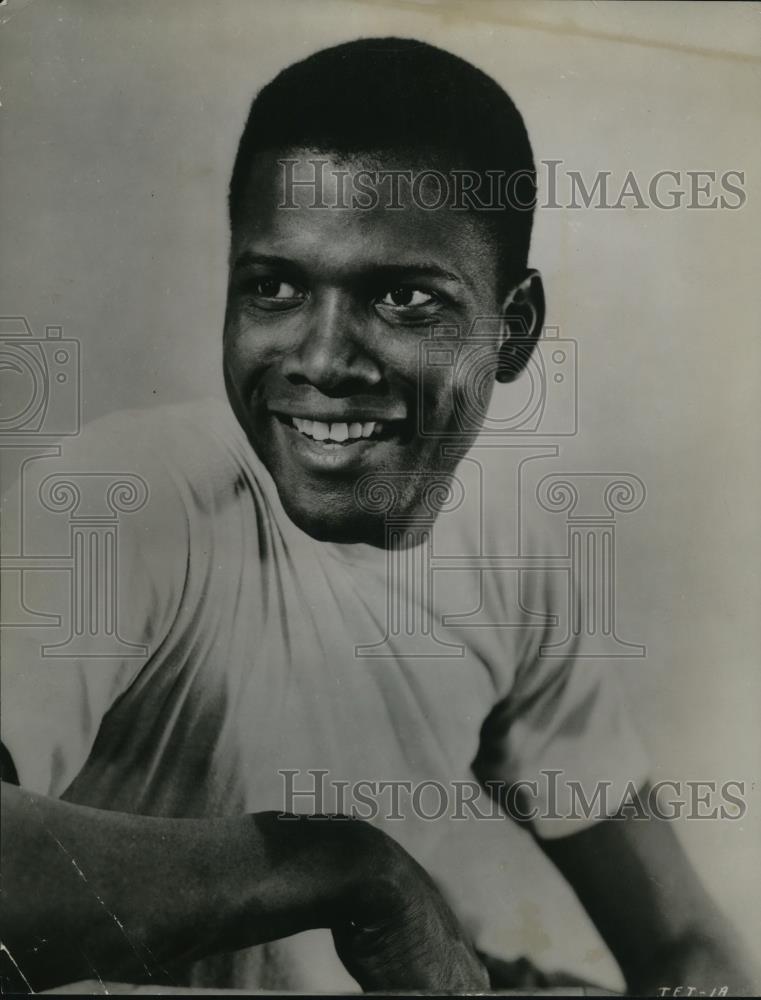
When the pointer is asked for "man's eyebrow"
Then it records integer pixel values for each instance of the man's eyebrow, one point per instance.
(248, 258)
(419, 268)
(404, 268)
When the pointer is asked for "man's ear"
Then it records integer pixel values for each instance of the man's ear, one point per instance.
(522, 322)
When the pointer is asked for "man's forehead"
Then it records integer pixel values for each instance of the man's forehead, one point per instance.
(311, 203)
(309, 177)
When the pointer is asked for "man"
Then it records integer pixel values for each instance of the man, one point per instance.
(144, 841)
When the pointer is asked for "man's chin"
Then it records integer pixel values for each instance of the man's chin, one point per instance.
(333, 521)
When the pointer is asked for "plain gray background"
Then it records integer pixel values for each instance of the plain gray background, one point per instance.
(119, 125)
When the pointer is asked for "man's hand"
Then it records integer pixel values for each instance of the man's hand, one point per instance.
(403, 935)
(637, 884)
(133, 897)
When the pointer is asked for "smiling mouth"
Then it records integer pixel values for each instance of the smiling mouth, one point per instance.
(342, 433)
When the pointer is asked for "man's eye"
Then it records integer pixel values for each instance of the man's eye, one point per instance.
(406, 298)
(273, 288)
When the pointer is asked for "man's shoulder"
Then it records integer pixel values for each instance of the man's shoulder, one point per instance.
(196, 446)
(171, 426)
(170, 475)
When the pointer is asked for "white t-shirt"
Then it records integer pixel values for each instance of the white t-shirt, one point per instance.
(239, 651)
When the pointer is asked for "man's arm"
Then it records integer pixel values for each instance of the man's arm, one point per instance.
(635, 881)
(88, 893)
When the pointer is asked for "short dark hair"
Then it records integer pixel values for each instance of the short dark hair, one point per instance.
(400, 96)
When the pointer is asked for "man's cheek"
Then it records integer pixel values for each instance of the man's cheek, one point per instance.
(472, 389)
(253, 341)
(437, 404)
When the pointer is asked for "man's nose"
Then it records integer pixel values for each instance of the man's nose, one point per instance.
(332, 354)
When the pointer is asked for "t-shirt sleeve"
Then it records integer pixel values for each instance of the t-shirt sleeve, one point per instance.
(92, 577)
(563, 730)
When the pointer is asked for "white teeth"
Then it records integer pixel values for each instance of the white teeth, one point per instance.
(339, 432)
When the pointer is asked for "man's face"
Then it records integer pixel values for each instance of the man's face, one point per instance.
(326, 312)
